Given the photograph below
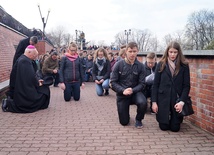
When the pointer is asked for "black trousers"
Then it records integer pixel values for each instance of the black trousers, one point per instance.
(123, 103)
(174, 122)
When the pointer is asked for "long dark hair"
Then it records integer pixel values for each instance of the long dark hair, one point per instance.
(180, 60)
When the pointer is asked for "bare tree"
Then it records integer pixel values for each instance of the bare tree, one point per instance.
(68, 38)
(57, 36)
(200, 28)
(120, 39)
(101, 43)
(142, 38)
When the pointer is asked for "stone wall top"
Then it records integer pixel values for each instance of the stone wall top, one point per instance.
(192, 53)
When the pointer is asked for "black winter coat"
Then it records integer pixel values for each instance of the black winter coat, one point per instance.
(165, 89)
(21, 48)
(128, 76)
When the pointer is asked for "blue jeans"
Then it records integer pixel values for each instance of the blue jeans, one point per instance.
(72, 89)
(87, 76)
(100, 87)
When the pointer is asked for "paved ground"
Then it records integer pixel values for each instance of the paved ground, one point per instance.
(90, 127)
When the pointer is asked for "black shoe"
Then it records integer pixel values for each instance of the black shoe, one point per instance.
(4, 105)
(138, 124)
(107, 92)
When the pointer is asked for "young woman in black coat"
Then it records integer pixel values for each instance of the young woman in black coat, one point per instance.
(171, 88)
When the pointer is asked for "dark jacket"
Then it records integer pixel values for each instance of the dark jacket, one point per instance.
(83, 62)
(21, 48)
(49, 65)
(89, 64)
(71, 71)
(128, 76)
(113, 61)
(105, 71)
(164, 91)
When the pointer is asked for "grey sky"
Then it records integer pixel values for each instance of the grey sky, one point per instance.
(103, 19)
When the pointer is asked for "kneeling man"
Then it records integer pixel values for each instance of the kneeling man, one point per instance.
(27, 94)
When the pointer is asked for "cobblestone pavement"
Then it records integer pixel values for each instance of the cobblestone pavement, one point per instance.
(90, 127)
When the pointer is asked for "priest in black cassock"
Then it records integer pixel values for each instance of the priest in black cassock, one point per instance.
(29, 94)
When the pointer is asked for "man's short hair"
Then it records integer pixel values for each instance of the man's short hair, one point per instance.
(131, 45)
(34, 39)
(110, 53)
(151, 55)
(54, 53)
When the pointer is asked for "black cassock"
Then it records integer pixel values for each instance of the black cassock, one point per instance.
(28, 95)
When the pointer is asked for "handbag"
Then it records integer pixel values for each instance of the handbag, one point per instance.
(187, 108)
(47, 79)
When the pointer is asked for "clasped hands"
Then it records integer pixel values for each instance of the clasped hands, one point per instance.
(127, 91)
(178, 107)
(99, 81)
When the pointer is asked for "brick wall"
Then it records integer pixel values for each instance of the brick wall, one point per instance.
(8, 40)
(43, 47)
(202, 92)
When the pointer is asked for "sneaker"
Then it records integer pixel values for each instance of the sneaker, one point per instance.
(5, 104)
(107, 92)
(138, 124)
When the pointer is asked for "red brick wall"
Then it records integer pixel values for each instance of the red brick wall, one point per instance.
(202, 92)
(8, 40)
(43, 47)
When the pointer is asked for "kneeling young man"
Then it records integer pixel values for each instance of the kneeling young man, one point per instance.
(128, 80)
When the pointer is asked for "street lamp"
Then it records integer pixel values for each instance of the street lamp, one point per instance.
(43, 21)
(76, 35)
(127, 33)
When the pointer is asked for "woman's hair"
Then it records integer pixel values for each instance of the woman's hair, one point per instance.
(180, 60)
(72, 44)
(122, 46)
(122, 51)
(100, 50)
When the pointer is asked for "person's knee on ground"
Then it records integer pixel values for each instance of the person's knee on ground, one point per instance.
(100, 93)
(175, 127)
(67, 97)
(164, 127)
(124, 122)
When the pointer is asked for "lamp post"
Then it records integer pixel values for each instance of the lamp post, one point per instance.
(127, 33)
(43, 21)
(76, 35)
